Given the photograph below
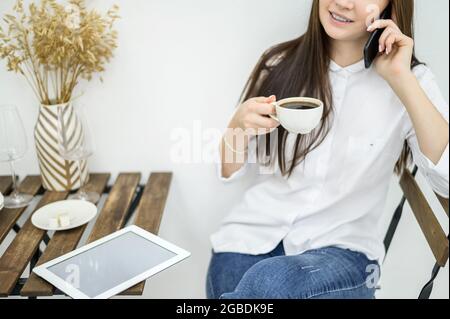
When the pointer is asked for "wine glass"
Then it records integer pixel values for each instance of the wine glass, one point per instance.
(13, 146)
(76, 149)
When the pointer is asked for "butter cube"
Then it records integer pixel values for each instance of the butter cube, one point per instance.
(64, 220)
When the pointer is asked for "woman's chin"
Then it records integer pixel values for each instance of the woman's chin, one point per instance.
(341, 35)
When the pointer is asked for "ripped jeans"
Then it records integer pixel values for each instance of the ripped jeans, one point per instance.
(327, 273)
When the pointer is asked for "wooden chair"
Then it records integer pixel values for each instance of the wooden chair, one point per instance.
(434, 234)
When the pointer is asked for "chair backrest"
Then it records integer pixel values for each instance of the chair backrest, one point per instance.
(428, 222)
(435, 235)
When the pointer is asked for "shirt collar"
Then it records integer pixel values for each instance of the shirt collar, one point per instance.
(354, 68)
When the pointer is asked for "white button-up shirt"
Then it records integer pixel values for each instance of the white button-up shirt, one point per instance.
(337, 196)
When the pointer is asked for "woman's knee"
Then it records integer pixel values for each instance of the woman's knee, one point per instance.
(267, 279)
(225, 272)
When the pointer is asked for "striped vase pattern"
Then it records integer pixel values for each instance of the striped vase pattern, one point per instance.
(58, 174)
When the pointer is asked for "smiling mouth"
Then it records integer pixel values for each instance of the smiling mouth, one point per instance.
(339, 18)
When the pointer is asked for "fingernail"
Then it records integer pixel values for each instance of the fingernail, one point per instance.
(380, 48)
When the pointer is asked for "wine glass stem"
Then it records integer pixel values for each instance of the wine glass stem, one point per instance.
(15, 191)
(81, 191)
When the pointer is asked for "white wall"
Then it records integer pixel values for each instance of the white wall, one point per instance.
(184, 61)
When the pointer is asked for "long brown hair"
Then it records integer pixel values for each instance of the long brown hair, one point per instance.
(302, 70)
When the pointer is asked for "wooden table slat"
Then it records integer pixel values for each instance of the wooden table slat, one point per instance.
(8, 217)
(113, 215)
(61, 244)
(5, 184)
(25, 244)
(150, 211)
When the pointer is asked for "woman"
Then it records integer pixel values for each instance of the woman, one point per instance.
(311, 229)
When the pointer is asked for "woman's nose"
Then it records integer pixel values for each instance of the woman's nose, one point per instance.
(345, 4)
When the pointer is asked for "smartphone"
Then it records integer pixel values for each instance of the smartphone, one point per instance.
(371, 49)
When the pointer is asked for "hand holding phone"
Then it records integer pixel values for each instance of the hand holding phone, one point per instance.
(371, 48)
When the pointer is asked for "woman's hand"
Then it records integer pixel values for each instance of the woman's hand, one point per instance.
(253, 118)
(396, 50)
(250, 119)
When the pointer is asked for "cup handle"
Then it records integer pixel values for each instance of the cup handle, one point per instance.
(273, 116)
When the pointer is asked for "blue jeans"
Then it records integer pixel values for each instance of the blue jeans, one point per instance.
(327, 273)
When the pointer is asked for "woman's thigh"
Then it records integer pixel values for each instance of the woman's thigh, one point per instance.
(227, 269)
(330, 273)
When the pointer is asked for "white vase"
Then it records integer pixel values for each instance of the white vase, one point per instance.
(57, 173)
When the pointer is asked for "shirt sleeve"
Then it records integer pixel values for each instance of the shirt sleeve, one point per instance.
(242, 171)
(437, 175)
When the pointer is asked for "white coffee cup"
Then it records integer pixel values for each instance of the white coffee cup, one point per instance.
(298, 121)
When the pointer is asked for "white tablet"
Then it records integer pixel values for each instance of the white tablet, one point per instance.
(111, 265)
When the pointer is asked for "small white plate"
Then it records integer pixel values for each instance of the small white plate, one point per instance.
(79, 212)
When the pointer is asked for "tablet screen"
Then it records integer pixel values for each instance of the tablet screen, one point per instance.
(110, 264)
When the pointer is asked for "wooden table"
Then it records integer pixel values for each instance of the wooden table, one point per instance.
(126, 198)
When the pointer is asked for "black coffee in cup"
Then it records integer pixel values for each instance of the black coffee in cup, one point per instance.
(300, 106)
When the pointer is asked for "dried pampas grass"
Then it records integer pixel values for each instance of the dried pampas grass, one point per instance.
(54, 45)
